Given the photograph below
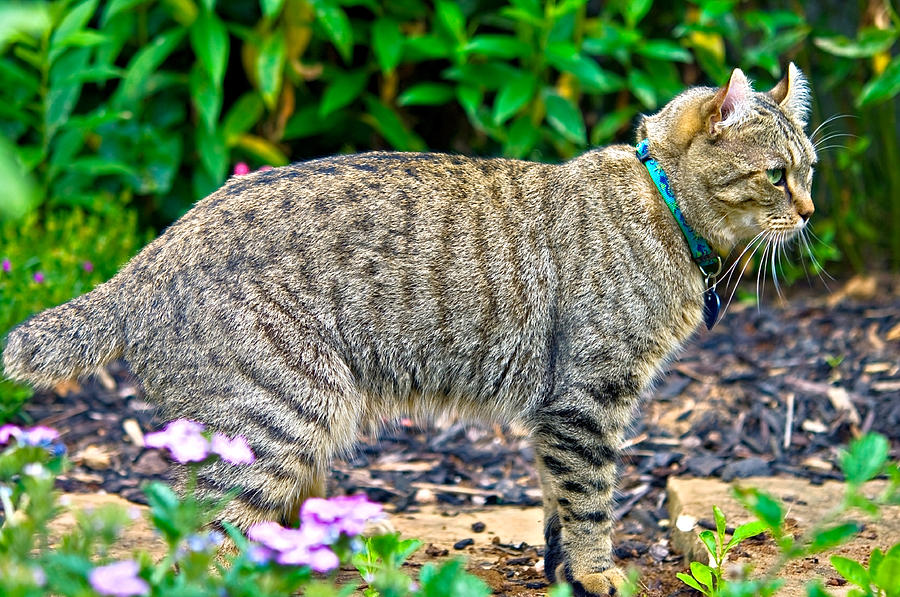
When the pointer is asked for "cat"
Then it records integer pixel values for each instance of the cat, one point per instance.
(295, 306)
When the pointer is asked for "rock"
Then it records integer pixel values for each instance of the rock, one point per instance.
(703, 466)
(478, 527)
(741, 469)
(464, 543)
(151, 463)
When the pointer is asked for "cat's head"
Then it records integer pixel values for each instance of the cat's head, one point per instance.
(739, 160)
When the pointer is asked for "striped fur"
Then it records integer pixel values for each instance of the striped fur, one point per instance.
(298, 305)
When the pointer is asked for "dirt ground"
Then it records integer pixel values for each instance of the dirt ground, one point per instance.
(771, 391)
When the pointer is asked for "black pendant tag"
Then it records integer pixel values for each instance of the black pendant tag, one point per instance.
(711, 304)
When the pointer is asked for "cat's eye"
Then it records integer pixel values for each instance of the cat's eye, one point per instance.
(775, 175)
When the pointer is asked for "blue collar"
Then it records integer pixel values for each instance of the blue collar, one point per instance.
(702, 253)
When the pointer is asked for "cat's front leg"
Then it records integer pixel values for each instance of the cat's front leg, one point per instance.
(576, 440)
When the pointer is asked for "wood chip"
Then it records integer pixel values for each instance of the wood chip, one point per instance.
(893, 333)
(814, 426)
(840, 400)
(406, 467)
(892, 385)
(133, 430)
(94, 457)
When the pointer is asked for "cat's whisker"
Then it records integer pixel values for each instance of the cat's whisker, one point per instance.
(761, 270)
(827, 138)
(779, 239)
(743, 269)
(819, 266)
(829, 121)
(829, 147)
(730, 270)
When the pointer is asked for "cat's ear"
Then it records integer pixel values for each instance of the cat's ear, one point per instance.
(730, 103)
(792, 94)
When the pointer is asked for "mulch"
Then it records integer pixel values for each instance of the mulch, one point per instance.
(773, 389)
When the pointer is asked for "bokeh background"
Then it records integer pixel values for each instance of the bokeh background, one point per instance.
(118, 115)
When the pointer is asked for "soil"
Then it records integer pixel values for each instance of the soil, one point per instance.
(771, 390)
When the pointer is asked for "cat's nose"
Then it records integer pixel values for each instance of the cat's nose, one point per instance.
(805, 208)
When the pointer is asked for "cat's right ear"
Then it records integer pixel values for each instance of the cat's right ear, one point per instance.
(730, 103)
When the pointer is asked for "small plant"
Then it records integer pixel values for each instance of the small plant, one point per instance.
(271, 560)
(865, 459)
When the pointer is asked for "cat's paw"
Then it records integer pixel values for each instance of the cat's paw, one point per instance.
(594, 584)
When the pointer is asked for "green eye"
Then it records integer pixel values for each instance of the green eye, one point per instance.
(775, 175)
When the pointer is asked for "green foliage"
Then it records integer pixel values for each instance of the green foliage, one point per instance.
(52, 259)
(864, 459)
(151, 101)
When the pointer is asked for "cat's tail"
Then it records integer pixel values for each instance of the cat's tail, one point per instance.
(61, 343)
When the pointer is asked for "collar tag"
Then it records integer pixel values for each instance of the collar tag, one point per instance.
(707, 260)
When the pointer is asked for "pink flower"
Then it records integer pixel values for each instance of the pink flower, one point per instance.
(88, 266)
(293, 547)
(264, 168)
(118, 580)
(7, 265)
(39, 277)
(235, 451)
(241, 168)
(343, 514)
(9, 431)
(183, 439)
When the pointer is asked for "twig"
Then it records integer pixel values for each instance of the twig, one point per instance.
(789, 422)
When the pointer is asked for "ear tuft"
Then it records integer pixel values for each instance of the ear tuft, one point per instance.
(792, 94)
(731, 102)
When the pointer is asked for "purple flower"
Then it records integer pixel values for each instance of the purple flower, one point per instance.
(343, 514)
(183, 439)
(235, 451)
(306, 546)
(9, 431)
(7, 265)
(39, 277)
(241, 168)
(88, 266)
(39, 436)
(119, 580)
(206, 542)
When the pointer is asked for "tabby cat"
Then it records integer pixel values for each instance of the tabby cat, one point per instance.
(296, 306)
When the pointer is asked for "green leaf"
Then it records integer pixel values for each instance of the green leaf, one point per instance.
(271, 8)
(342, 90)
(887, 576)
(709, 540)
(270, 68)
(642, 87)
(663, 50)
(426, 94)
(64, 93)
(391, 127)
(721, 525)
(209, 40)
(264, 150)
(245, 113)
(885, 86)
(306, 122)
(766, 508)
(702, 573)
(498, 46)
(75, 20)
(116, 7)
(427, 47)
(451, 19)
(142, 65)
(606, 128)
(523, 136)
(566, 58)
(815, 589)
(851, 570)
(866, 456)
(745, 531)
(336, 24)
(870, 42)
(689, 581)
(834, 536)
(635, 10)
(213, 155)
(565, 118)
(516, 92)
(206, 97)
(387, 43)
